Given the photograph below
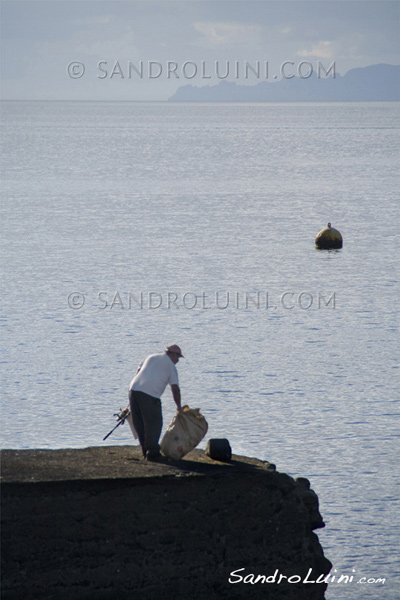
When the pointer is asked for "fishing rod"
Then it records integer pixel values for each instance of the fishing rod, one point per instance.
(121, 416)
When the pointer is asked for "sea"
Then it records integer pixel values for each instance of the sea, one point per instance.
(128, 226)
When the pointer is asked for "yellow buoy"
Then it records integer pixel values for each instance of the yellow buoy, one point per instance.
(329, 238)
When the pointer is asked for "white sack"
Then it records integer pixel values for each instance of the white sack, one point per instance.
(185, 431)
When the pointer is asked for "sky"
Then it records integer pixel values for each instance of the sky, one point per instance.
(146, 49)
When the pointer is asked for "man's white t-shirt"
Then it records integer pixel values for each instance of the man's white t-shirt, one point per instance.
(156, 372)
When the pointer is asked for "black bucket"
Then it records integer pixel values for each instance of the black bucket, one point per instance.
(219, 449)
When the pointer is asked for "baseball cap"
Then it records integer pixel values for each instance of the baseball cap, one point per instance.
(174, 348)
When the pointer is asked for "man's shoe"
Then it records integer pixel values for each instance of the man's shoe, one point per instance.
(155, 456)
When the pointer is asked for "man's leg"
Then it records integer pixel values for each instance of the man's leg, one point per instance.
(152, 420)
(134, 401)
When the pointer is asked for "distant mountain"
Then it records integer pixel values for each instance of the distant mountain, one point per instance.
(376, 83)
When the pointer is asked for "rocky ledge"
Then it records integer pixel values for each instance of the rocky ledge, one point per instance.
(102, 523)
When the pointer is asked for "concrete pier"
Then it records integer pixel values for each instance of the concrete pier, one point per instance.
(102, 523)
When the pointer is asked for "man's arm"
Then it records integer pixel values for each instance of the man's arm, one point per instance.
(176, 392)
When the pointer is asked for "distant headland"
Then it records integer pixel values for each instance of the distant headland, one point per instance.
(376, 83)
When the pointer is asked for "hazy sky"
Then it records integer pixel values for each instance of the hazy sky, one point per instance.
(173, 43)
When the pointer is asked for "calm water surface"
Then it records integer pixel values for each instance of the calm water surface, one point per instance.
(195, 224)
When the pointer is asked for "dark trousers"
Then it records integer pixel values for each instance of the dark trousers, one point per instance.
(147, 419)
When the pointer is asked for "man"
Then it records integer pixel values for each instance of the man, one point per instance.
(145, 391)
